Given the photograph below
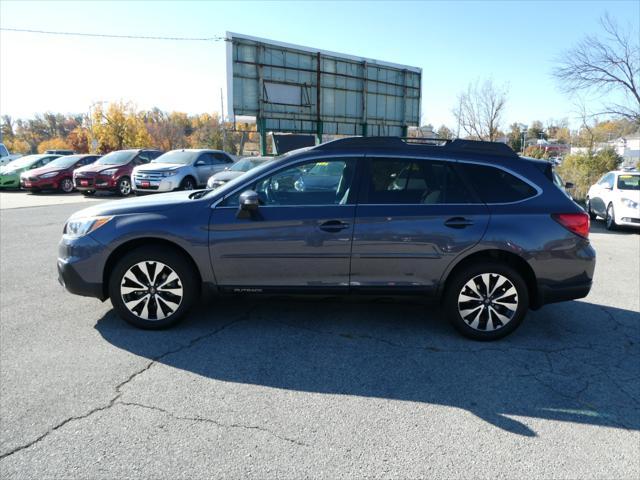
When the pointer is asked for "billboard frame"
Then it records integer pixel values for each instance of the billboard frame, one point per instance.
(404, 94)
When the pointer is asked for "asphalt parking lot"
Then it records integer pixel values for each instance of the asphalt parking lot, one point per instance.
(310, 388)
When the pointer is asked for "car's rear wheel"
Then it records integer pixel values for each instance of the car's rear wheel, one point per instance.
(610, 218)
(591, 213)
(486, 301)
(66, 185)
(124, 186)
(188, 183)
(153, 287)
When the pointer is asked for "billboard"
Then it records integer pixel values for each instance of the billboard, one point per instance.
(291, 88)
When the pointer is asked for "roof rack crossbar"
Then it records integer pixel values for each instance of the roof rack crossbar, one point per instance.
(431, 144)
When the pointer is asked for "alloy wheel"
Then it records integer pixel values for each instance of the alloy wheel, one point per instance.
(125, 187)
(488, 302)
(67, 185)
(151, 290)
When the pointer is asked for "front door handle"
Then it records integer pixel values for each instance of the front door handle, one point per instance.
(333, 226)
(458, 222)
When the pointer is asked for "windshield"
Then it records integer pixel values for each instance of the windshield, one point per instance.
(120, 157)
(224, 189)
(176, 156)
(245, 164)
(23, 162)
(64, 162)
(332, 169)
(629, 182)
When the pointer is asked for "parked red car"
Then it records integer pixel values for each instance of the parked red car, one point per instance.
(112, 172)
(55, 175)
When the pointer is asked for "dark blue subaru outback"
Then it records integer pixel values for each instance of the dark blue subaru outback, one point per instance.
(472, 224)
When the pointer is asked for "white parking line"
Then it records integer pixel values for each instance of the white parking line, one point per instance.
(19, 199)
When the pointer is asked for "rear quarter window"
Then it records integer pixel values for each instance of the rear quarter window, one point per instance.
(494, 185)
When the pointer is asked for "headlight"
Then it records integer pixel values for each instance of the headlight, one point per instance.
(109, 172)
(168, 173)
(629, 203)
(49, 175)
(79, 227)
(215, 183)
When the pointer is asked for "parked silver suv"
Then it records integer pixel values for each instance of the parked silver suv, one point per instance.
(184, 169)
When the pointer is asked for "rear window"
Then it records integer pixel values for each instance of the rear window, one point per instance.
(494, 185)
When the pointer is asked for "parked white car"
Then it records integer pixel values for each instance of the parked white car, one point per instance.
(5, 156)
(184, 169)
(616, 198)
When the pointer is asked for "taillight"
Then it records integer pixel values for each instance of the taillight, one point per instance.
(577, 223)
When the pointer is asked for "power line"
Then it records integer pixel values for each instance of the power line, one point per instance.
(107, 35)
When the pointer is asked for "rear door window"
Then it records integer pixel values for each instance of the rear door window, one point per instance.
(495, 185)
(413, 182)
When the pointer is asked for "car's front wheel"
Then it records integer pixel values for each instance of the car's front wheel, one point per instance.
(124, 186)
(153, 287)
(610, 218)
(592, 214)
(188, 184)
(486, 301)
(66, 185)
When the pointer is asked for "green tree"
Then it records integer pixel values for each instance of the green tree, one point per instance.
(514, 137)
(584, 169)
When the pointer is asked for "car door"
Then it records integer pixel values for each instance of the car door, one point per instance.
(299, 238)
(203, 167)
(414, 216)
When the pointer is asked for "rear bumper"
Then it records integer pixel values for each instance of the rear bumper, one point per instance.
(562, 293)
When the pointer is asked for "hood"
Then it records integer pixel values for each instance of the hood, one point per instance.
(13, 171)
(92, 168)
(152, 203)
(159, 167)
(46, 169)
(227, 175)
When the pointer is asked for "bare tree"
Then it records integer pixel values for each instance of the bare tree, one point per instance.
(609, 63)
(480, 110)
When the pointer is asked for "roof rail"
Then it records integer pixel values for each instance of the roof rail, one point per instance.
(432, 145)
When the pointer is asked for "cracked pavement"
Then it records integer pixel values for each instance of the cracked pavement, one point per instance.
(312, 387)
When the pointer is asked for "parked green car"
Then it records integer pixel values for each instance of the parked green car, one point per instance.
(10, 173)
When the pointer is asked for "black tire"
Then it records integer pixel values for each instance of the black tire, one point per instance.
(123, 187)
(488, 313)
(66, 185)
(592, 215)
(188, 183)
(150, 257)
(610, 218)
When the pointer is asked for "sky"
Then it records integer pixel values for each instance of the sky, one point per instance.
(513, 43)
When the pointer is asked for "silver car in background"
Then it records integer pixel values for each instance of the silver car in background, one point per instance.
(184, 169)
(234, 171)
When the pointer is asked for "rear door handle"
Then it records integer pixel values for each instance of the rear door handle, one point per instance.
(458, 222)
(333, 226)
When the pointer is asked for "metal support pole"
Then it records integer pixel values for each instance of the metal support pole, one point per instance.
(263, 136)
(318, 100)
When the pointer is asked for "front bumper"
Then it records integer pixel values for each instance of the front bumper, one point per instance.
(81, 263)
(9, 181)
(34, 185)
(626, 216)
(99, 182)
(156, 186)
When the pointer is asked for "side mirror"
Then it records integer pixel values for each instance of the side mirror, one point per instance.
(249, 202)
(568, 185)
